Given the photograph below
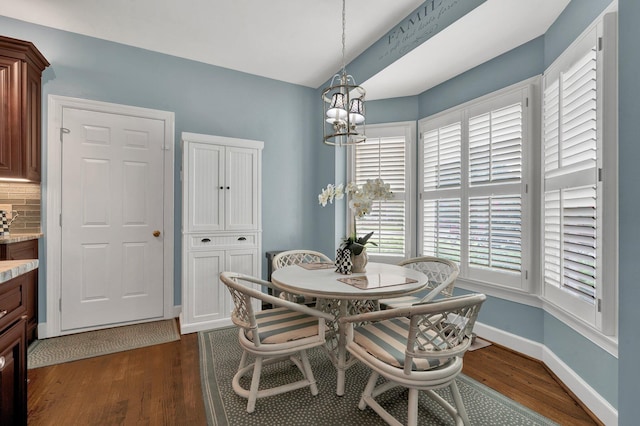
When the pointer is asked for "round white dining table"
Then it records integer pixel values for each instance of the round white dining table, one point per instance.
(380, 281)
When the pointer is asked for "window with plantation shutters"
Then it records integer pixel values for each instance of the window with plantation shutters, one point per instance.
(570, 108)
(473, 170)
(570, 172)
(576, 136)
(385, 155)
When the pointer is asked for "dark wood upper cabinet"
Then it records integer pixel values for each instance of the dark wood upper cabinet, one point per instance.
(21, 66)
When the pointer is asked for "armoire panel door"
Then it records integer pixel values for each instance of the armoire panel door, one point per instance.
(204, 174)
(241, 197)
(244, 261)
(207, 298)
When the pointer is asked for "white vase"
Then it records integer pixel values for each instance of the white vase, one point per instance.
(359, 261)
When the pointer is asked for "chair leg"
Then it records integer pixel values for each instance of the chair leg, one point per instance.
(308, 373)
(412, 413)
(243, 360)
(457, 399)
(368, 390)
(255, 382)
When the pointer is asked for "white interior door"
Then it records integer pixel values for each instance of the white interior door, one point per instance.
(112, 219)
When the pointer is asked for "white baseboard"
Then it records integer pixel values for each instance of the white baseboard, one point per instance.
(177, 310)
(581, 389)
(202, 326)
(42, 330)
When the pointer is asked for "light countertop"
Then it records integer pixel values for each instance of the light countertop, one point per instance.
(16, 238)
(10, 269)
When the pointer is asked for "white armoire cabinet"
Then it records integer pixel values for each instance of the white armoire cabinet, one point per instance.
(221, 224)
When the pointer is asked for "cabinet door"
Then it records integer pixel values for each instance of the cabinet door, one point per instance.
(10, 117)
(204, 174)
(13, 375)
(244, 261)
(241, 197)
(32, 125)
(206, 298)
(26, 250)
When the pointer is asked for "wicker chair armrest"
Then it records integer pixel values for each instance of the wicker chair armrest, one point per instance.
(423, 308)
(437, 290)
(275, 301)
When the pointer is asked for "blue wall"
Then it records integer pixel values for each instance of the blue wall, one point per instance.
(629, 206)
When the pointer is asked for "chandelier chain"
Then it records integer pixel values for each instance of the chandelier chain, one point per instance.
(344, 25)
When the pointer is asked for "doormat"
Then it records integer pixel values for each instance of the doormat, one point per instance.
(73, 347)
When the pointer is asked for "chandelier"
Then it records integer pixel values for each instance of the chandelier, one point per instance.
(343, 105)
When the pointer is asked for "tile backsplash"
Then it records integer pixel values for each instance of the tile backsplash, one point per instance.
(25, 199)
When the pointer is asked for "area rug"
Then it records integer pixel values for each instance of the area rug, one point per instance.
(89, 344)
(219, 356)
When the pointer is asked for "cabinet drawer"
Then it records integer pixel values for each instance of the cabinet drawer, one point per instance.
(12, 303)
(202, 241)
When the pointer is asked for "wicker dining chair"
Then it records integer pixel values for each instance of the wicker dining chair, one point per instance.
(273, 335)
(296, 257)
(419, 347)
(442, 274)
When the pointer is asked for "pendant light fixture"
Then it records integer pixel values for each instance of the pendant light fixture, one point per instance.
(343, 105)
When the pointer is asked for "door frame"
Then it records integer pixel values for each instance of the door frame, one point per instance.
(52, 209)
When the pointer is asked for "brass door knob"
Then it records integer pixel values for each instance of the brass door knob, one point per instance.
(156, 233)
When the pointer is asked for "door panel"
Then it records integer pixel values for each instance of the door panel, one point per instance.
(241, 210)
(112, 202)
(205, 186)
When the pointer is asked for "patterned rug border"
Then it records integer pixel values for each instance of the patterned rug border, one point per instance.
(89, 344)
(218, 414)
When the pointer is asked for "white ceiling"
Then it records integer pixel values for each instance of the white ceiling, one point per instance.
(297, 41)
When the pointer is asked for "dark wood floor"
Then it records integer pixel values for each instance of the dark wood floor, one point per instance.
(160, 385)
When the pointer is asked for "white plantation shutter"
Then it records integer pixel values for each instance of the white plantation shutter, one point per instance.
(495, 232)
(495, 146)
(441, 159)
(473, 168)
(441, 178)
(384, 158)
(570, 171)
(495, 161)
(579, 240)
(578, 129)
(551, 120)
(387, 222)
(580, 179)
(441, 235)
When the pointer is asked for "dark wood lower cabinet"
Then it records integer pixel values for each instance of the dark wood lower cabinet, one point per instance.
(20, 251)
(13, 374)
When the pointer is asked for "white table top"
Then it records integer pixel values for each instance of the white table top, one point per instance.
(323, 283)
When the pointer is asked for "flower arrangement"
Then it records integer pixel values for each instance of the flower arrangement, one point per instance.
(360, 200)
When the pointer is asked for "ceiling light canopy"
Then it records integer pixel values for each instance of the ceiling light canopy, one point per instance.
(343, 105)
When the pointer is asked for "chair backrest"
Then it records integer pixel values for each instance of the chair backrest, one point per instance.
(442, 274)
(295, 257)
(243, 314)
(442, 329)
